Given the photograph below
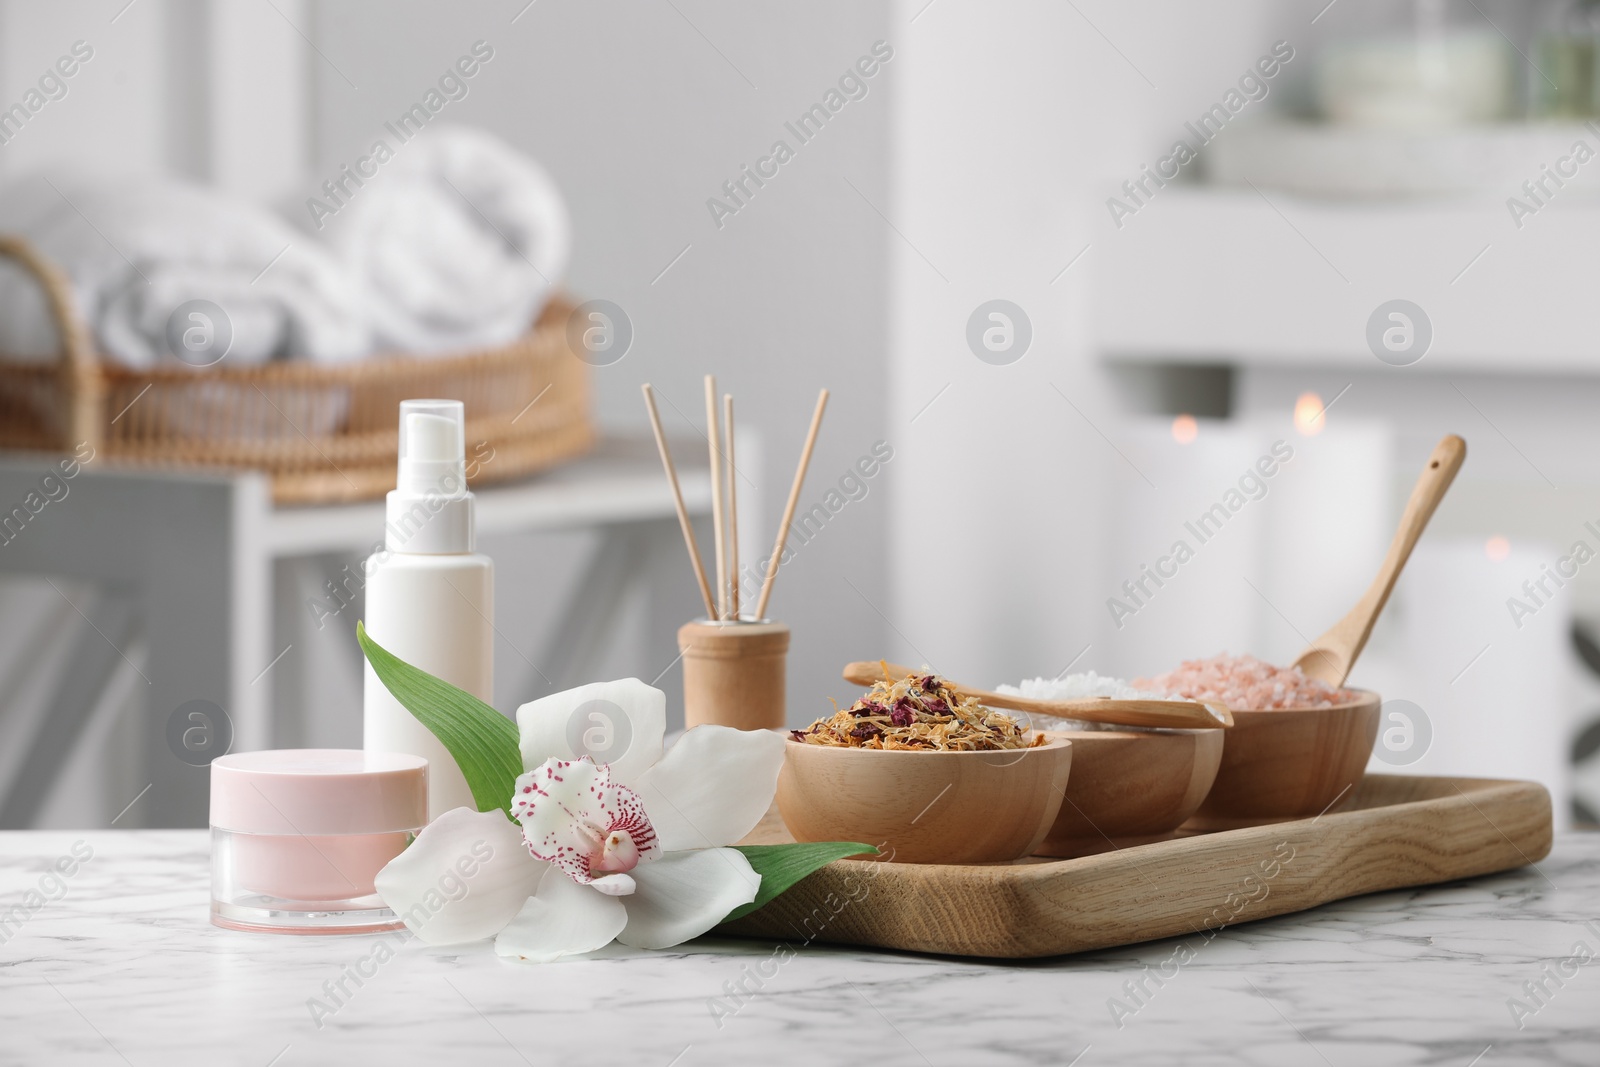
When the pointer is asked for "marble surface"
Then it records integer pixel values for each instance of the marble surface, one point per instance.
(123, 967)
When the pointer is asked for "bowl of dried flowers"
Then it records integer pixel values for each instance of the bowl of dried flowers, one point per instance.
(926, 774)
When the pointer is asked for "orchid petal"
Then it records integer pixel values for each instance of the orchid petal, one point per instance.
(562, 919)
(464, 877)
(615, 885)
(684, 894)
(712, 787)
(620, 723)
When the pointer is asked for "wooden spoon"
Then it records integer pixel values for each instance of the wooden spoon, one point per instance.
(1180, 714)
(1331, 656)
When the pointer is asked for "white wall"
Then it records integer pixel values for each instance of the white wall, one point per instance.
(641, 119)
(215, 92)
(1015, 123)
(113, 114)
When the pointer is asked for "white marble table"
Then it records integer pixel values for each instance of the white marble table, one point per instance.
(123, 967)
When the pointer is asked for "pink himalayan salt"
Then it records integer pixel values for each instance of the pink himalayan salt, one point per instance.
(1245, 683)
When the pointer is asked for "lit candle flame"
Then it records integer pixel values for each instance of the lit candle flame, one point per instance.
(1309, 415)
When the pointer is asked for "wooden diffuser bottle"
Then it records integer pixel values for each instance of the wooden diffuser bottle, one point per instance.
(734, 673)
(734, 665)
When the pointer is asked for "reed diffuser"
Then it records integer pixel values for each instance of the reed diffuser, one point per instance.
(734, 663)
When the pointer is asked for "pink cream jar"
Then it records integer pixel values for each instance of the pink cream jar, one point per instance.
(298, 835)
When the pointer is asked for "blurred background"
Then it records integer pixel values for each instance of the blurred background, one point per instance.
(1069, 270)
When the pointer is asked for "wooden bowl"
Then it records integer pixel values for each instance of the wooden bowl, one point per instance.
(1129, 787)
(925, 807)
(1291, 763)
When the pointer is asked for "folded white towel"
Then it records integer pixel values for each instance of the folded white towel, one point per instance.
(458, 241)
(136, 250)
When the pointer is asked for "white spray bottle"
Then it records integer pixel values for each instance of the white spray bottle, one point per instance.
(430, 596)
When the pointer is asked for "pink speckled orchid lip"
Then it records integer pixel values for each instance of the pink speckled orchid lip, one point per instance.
(633, 849)
(575, 817)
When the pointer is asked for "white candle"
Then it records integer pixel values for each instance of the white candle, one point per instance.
(1487, 658)
(1330, 519)
(1186, 537)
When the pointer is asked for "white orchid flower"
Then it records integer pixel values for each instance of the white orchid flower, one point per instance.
(631, 849)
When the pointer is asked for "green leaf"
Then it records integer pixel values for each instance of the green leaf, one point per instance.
(781, 866)
(484, 742)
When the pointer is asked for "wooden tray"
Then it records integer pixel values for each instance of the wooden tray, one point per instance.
(1394, 831)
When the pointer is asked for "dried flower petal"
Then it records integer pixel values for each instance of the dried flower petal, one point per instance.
(919, 712)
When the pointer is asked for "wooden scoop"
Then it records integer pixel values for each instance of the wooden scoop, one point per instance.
(1178, 714)
(1331, 656)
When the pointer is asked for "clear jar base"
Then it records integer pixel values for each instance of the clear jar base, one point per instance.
(268, 916)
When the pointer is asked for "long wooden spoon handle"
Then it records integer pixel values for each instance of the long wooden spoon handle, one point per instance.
(869, 671)
(1343, 643)
(1170, 714)
(1179, 714)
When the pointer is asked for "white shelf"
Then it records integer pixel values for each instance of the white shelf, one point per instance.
(1204, 275)
(1321, 159)
(620, 481)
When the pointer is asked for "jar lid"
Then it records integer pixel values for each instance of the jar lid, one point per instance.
(319, 791)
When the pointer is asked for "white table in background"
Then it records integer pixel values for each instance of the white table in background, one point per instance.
(193, 553)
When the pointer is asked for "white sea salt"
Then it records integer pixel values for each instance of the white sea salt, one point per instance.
(1077, 687)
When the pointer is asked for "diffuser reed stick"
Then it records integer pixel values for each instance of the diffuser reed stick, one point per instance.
(733, 509)
(788, 510)
(714, 439)
(677, 499)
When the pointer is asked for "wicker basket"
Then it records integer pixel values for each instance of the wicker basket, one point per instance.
(323, 433)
